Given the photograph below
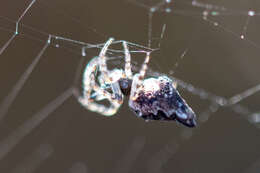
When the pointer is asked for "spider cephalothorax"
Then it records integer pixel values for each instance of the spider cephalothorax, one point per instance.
(125, 85)
(151, 98)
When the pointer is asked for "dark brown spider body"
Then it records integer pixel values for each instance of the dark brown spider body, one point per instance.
(151, 99)
(164, 103)
(125, 85)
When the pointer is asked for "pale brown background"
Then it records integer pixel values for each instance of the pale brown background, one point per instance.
(81, 141)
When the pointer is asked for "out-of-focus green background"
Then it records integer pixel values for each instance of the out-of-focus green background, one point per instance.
(72, 139)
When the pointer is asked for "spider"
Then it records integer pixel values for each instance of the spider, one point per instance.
(154, 98)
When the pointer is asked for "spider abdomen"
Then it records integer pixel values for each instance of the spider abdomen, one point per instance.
(159, 100)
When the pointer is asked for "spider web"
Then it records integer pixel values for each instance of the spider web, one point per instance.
(210, 48)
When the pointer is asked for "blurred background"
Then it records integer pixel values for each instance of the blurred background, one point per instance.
(211, 48)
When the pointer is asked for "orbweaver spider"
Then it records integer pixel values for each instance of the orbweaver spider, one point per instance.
(151, 99)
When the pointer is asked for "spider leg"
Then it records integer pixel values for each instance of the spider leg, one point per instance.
(89, 103)
(88, 77)
(98, 97)
(174, 84)
(103, 59)
(117, 93)
(138, 78)
(134, 91)
(105, 78)
(128, 70)
(90, 85)
(144, 66)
